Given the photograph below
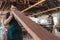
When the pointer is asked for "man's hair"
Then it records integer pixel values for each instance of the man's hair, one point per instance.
(14, 4)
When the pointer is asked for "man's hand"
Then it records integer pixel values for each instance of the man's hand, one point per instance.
(4, 27)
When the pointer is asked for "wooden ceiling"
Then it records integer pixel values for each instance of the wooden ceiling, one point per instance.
(23, 4)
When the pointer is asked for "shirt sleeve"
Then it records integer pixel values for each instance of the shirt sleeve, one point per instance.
(7, 15)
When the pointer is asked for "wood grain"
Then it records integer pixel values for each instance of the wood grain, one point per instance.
(35, 30)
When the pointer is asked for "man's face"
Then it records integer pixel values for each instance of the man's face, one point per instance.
(13, 7)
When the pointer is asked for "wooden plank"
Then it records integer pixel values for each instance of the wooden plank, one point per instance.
(35, 30)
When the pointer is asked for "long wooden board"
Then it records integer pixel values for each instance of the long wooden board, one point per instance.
(35, 30)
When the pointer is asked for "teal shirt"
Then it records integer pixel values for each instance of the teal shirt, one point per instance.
(14, 31)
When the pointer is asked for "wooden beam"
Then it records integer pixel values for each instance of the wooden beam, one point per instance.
(46, 11)
(1, 3)
(41, 1)
(25, 1)
(4, 6)
(13, 0)
(35, 30)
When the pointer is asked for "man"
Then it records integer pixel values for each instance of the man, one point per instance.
(14, 30)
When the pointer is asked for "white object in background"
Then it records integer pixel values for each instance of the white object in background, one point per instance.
(2, 31)
(56, 33)
(34, 19)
